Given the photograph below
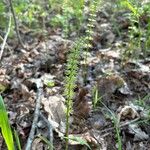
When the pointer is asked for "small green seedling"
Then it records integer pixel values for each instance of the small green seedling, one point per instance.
(115, 121)
(96, 98)
(2, 88)
(80, 140)
(51, 147)
(50, 84)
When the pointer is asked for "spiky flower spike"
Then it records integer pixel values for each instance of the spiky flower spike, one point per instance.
(93, 7)
(73, 65)
(91, 21)
(65, 15)
(71, 76)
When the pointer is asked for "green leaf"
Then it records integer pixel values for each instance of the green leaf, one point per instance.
(5, 126)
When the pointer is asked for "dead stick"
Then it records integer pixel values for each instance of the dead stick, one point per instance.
(35, 119)
(16, 24)
(5, 38)
(6, 45)
(120, 126)
(50, 128)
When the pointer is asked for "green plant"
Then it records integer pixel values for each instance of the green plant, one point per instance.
(134, 30)
(90, 25)
(72, 66)
(46, 141)
(50, 83)
(93, 7)
(117, 128)
(3, 15)
(69, 16)
(116, 122)
(31, 14)
(79, 140)
(96, 98)
(142, 102)
(138, 33)
(5, 126)
(71, 76)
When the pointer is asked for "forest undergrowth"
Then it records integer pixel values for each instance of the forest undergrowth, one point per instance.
(75, 75)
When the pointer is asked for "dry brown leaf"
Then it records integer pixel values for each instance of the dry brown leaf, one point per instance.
(81, 105)
(55, 108)
(108, 85)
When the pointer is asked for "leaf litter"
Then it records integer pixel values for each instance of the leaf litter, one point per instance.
(119, 86)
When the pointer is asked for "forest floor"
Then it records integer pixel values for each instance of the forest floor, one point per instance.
(115, 98)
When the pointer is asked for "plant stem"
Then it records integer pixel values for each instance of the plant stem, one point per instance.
(16, 24)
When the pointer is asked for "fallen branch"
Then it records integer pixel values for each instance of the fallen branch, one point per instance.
(50, 128)
(120, 126)
(5, 38)
(6, 45)
(35, 119)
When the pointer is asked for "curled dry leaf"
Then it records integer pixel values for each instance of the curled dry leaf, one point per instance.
(60, 47)
(128, 112)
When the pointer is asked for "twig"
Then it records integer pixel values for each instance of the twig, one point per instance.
(35, 119)
(120, 126)
(50, 128)
(6, 44)
(16, 24)
(5, 38)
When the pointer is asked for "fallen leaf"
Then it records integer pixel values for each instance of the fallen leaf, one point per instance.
(138, 133)
(128, 112)
(55, 108)
(81, 104)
